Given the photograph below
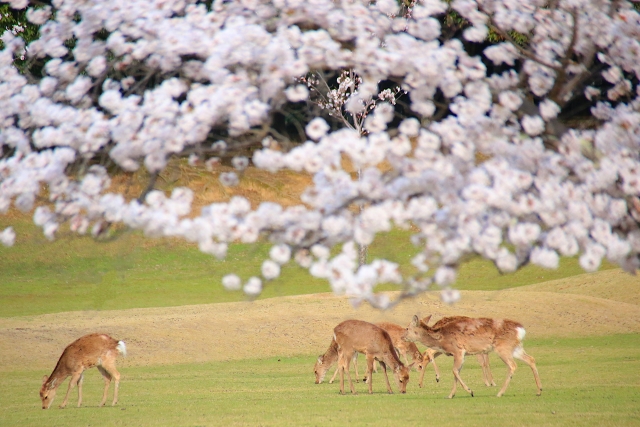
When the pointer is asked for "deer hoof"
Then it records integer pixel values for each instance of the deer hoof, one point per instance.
(472, 393)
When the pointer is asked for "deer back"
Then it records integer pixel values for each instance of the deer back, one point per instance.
(362, 336)
(474, 335)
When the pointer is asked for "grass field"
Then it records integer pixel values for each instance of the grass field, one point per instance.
(586, 381)
(228, 362)
(38, 276)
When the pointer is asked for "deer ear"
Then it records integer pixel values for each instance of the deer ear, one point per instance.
(411, 366)
(415, 321)
(320, 359)
(52, 384)
(426, 319)
(44, 379)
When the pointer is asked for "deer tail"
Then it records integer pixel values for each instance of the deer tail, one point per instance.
(122, 348)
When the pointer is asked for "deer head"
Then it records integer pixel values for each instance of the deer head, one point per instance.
(47, 392)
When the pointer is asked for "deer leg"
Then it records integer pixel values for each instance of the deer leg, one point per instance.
(370, 361)
(507, 358)
(386, 377)
(72, 383)
(335, 374)
(341, 369)
(375, 369)
(80, 381)
(107, 381)
(520, 354)
(110, 367)
(355, 364)
(430, 357)
(458, 361)
(483, 359)
(345, 361)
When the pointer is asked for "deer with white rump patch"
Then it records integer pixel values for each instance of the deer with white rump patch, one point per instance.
(374, 342)
(430, 356)
(91, 350)
(467, 335)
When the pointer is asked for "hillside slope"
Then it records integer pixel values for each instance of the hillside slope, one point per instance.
(587, 305)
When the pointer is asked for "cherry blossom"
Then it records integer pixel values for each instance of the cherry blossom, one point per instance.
(519, 153)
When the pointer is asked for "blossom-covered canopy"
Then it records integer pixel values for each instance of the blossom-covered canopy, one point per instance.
(484, 161)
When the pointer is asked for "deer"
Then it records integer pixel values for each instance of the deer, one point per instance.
(466, 335)
(326, 360)
(91, 350)
(430, 355)
(353, 336)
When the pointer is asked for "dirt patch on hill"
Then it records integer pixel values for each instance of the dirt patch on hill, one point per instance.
(299, 325)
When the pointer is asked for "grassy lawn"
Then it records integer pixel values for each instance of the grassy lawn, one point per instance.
(130, 271)
(586, 382)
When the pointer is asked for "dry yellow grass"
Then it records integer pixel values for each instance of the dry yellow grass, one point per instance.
(614, 285)
(303, 324)
(256, 185)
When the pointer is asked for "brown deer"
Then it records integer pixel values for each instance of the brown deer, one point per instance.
(466, 335)
(91, 350)
(326, 360)
(430, 355)
(375, 343)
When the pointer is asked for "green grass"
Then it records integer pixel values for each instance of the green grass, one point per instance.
(130, 271)
(586, 382)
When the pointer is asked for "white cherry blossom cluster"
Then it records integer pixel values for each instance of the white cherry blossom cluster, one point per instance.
(484, 162)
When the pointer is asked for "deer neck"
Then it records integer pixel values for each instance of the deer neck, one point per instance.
(430, 338)
(393, 361)
(58, 375)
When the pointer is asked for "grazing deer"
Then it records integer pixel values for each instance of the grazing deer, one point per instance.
(326, 360)
(91, 350)
(466, 335)
(353, 336)
(430, 355)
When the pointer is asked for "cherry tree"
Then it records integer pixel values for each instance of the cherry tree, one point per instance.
(486, 159)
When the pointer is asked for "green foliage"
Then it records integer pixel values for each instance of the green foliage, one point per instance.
(16, 21)
(587, 382)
